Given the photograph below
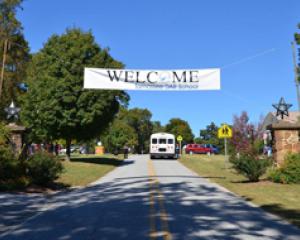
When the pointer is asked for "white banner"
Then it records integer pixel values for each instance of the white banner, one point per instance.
(124, 79)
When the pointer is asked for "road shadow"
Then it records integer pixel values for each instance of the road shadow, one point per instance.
(15, 208)
(278, 209)
(120, 209)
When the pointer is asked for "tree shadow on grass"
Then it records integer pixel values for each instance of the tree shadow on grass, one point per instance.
(248, 199)
(17, 188)
(242, 181)
(56, 186)
(262, 180)
(99, 160)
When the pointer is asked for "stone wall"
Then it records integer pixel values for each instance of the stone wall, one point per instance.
(285, 141)
(16, 137)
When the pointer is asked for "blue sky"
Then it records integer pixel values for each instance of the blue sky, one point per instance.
(249, 40)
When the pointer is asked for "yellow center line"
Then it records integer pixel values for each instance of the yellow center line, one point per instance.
(154, 189)
(152, 205)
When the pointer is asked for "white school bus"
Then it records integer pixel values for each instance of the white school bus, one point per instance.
(162, 145)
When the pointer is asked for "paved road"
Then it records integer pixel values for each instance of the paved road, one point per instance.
(142, 199)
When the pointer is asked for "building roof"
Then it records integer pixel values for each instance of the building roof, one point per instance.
(291, 121)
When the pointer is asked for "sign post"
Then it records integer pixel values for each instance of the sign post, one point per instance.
(225, 132)
(179, 139)
(225, 147)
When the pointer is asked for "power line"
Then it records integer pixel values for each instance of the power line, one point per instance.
(249, 58)
(241, 61)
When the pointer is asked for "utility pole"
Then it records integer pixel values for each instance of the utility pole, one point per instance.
(296, 74)
(3, 65)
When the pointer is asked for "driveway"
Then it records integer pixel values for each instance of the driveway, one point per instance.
(142, 199)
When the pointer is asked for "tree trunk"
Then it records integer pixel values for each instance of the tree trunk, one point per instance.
(68, 149)
(3, 65)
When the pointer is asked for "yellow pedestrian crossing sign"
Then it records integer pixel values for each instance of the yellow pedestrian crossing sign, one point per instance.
(225, 131)
(179, 138)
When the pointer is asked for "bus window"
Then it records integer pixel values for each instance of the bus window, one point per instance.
(162, 141)
(170, 141)
(154, 141)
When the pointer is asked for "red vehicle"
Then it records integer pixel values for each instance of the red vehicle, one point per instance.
(197, 148)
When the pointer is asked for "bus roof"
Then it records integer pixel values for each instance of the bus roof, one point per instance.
(162, 134)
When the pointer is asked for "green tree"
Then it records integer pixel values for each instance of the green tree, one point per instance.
(56, 105)
(157, 127)
(209, 135)
(14, 52)
(140, 120)
(118, 135)
(177, 127)
(297, 36)
(211, 131)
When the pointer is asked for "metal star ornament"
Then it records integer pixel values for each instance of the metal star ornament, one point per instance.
(282, 108)
(12, 111)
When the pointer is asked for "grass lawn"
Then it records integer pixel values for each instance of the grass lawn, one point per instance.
(85, 169)
(280, 199)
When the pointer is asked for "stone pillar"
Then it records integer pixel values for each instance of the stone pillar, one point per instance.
(16, 137)
(285, 140)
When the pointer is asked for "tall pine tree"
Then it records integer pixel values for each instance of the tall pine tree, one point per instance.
(14, 53)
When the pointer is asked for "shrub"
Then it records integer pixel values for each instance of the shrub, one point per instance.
(10, 168)
(250, 165)
(14, 184)
(44, 168)
(9, 165)
(289, 172)
(276, 176)
(4, 132)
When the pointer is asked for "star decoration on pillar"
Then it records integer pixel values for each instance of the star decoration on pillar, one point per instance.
(282, 108)
(12, 111)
